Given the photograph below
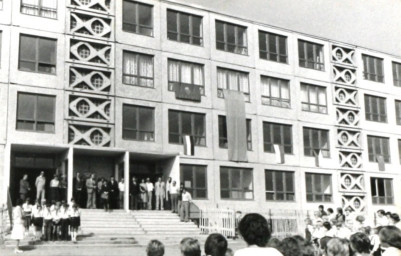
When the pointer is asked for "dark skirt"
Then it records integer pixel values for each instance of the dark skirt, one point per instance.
(65, 222)
(38, 222)
(75, 222)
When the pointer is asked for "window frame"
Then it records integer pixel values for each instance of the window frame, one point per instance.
(136, 24)
(35, 120)
(310, 147)
(195, 187)
(316, 88)
(230, 186)
(180, 134)
(171, 84)
(281, 84)
(286, 193)
(316, 48)
(37, 61)
(282, 132)
(318, 177)
(372, 75)
(223, 139)
(138, 77)
(372, 154)
(237, 47)
(220, 94)
(266, 40)
(39, 9)
(371, 101)
(138, 120)
(190, 26)
(397, 104)
(376, 199)
(396, 73)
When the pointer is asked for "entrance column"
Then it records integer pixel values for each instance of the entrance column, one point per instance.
(6, 172)
(126, 181)
(70, 173)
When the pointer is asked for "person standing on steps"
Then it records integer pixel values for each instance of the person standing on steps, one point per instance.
(144, 194)
(113, 197)
(78, 186)
(174, 190)
(121, 189)
(134, 194)
(91, 189)
(54, 189)
(149, 190)
(18, 230)
(167, 205)
(179, 199)
(24, 187)
(160, 193)
(186, 200)
(40, 186)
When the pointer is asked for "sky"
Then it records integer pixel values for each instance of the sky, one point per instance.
(373, 24)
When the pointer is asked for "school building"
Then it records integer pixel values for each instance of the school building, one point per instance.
(247, 115)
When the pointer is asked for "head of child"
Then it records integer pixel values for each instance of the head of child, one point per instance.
(216, 245)
(190, 247)
(155, 248)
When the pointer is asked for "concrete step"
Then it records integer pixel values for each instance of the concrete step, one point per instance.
(108, 226)
(114, 231)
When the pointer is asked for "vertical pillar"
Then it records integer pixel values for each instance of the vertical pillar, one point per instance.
(116, 171)
(126, 181)
(175, 169)
(70, 172)
(6, 172)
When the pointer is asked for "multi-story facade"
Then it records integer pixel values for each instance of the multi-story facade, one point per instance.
(90, 86)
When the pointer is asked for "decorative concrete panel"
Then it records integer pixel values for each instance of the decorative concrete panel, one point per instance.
(348, 117)
(355, 202)
(346, 96)
(348, 138)
(88, 25)
(90, 52)
(89, 108)
(352, 182)
(343, 55)
(350, 159)
(96, 5)
(90, 80)
(344, 75)
(89, 135)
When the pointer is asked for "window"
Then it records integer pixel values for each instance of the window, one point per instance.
(184, 27)
(194, 178)
(273, 47)
(181, 72)
(138, 123)
(382, 190)
(397, 73)
(43, 8)
(275, 92)
(310, 55)
(280, 134)
(378, 146)
(318, 187)
(138, 18)
(399, 150)
(398, 112)
(315, 140)
(223, 143)
(1, 4)
(232, 80)
(236, 183)
(373, 68)
(137, 69)
(231, 38)
(36, 112)
(37, 54)
(313, 98)
(186, 123)
(279, 185)
(375, 109)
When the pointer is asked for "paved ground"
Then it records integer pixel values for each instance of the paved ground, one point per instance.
(81, 250)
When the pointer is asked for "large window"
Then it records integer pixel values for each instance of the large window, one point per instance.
(273, 47)
(318, 187)
(43, 8)
(280, 134)
(138, 18)
(36, 112)
(373, 68)
(378, 146)
(310, 55)
(37, 54)
(398, 112)
(279, 185)
(382, 190)
(186, 123)
(232, 80)
(236, 183)
(181, 72)
(275, 91)
(137, 69)
(194, 178)
(138, 123)
(231, 38)
(184, 27)
(313, 98)
(399, 150)
(397, 73)
(223, 142)
(315, 140)
(375, 109)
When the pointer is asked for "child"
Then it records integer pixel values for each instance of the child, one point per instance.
(48, 222)
(75, 222)
(56, 214)
(155, 248)
(37, 219)
(65, 220)
(27, 209)
(190, 247)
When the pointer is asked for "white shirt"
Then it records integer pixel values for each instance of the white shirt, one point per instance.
(257, 251)
(27, 207)
(168, 187)
(392, 251)
(149, 186)
(186, 197)
(382, 221)
(174, 189)
(344, 233)
(121, 186)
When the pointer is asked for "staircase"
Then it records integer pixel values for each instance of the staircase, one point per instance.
(119, 228)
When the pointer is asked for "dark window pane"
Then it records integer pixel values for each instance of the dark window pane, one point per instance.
(45, 109)
(47, 51)
(26, 106)
(184, 23)
(172, 21)
(197, 26)
(145, 15)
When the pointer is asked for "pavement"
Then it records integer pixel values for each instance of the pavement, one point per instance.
(99, 250)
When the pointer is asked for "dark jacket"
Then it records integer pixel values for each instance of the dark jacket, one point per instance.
(113, 187)
(134, 189)
(24, 186)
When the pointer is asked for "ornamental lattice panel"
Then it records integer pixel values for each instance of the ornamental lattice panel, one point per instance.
(347, 117)
(85, 79)
(350, 159)
(343, 55)
(90, 52)
(352, 182)
(346, 96)
(89, 135)
(92, 5)
(344, 75)
(355, 202)
(349, 138)
(88, 25)
(84, 107)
